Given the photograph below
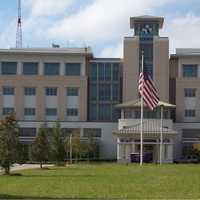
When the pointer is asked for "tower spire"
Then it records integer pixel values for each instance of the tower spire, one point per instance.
(19, 27)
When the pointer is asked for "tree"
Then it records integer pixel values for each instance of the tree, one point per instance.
(40, 147)
(9, 142)
(196, 150)
(57, 144)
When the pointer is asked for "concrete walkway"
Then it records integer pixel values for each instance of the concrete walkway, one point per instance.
(17, 167)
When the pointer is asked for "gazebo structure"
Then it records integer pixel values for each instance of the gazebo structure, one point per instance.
(128, 134)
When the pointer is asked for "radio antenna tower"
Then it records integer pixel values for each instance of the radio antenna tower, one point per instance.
(19, 27)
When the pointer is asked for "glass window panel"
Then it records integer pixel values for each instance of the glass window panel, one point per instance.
(9, 68)
(51, 91)
(72, 112)
(51, 69)
(93, 112)
(8, 91)
(101, 71)
(116, 71)
(104, 92)
(105, 112)
(29, 91)
(72, 91)
(73, 69)
(30, 68)
(93, 71)
(92, 132)
(189, 92)
(116, 92)
(29, 111)
(27, 132)
(93, 92)
(51, 111)
(7, 111)
(107, 71)
(190, 113)
(190, 70)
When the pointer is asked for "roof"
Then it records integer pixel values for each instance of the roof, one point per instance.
(137, 103)
(83, 51)
(150, 127)
(144, 18)
(187, 52)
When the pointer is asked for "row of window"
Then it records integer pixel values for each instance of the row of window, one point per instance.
(87, 132)
(31, 91)
(32, 68)
(190, 113)
(190, 70)
(49, 111)
(104, 71)
(190, 92)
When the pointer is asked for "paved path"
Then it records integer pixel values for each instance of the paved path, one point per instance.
(17, 167)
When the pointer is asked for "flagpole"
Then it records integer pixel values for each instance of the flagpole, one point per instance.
(161, 132)
(141, 120)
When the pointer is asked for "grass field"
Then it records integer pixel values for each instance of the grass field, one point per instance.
(105, 181)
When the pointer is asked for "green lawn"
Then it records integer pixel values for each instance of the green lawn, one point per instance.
(105, 181)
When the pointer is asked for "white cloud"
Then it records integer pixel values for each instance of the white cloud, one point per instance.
(46, 7)
(183, 32)
(114, 51)
(104, 20)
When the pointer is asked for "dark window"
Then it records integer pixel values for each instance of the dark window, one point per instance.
(189, 113)
(51, 111)
(92, 132)
(105, 92)
(51, 69)
(108, 71)
(93, 92)
(51, 91)
(8, 91)
(9, 68)
(190, 70)
(93, 111)
(30, 68)
(115, 92)
(105, 112)
(29, 91)
(73, 69)
(72, 112)
(27, 132)
(29, 111)
(115, 71)
(72, 91)
(189, 92)
(93, 71)
(101, 71)
(7, 111)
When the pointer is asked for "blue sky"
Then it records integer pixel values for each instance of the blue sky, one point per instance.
(101, 24)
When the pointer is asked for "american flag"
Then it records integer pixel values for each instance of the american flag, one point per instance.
(148, 90)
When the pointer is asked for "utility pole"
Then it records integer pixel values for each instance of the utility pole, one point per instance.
(19, 27)
(70, 146)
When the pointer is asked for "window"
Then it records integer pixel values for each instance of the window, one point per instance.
(9, 68)
(93, 112)
(51, 111)
(27, 132)
(189, 113)
(108, 71)
(29, 91)
(72, 91)
(30, 68)
(51, 91)
(189, 92)
(7, 111)
(105, 112)
(101, 71)
(115, 71)
(93, 92)
(116, 92)
(72, 112)
(51, 69)
(92, 132)
(190, 70)
(8, 91)
(104, 92)
(93, 71)
(29, 111)
(73, 69)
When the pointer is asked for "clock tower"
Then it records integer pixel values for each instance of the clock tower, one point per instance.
(146, 39)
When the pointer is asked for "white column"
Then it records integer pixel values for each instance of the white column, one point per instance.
(118, 149)
(170, 153)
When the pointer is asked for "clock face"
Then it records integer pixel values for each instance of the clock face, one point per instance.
(146, 30)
